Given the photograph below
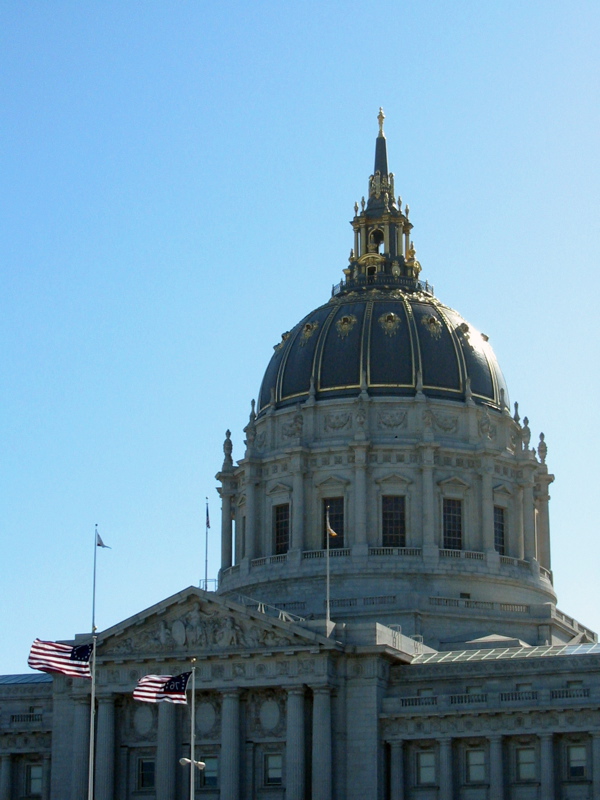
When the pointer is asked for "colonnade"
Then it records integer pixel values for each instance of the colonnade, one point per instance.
(527, 534)
(497, 768)
(230, 766)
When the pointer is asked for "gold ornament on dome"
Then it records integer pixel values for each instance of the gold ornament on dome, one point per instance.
(284, 337)
(345, 324)
(307, 331)
(390, 323)
(433, 325)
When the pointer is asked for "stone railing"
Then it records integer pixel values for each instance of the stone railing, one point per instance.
(455, 602)
(409, 702)
(16, 718)
(518, 697)
(466, 699)
(569, 694)
(395, 551)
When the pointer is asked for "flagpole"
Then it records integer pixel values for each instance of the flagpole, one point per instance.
(93, 670)
(206, 550)
(193, 734)
(327, 529)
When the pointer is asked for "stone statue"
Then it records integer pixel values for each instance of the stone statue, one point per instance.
(542, 449)
(227, 449)
(525, 434)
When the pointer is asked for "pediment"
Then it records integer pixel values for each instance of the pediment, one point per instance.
(395, 477)
(501, 489)
(197, 623)
(279, 488)
(454, 483)
(332, 481)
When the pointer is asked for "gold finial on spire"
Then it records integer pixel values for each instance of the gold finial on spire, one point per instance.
(381, 117)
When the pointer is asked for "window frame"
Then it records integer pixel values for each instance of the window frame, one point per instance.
(482, 766)
(500, 536)
(209, 774)
(401, 523)
(30, 779)
(449, 537)
(521, 765)
(281, 543)
(582, 765)
(420, 755)
(141, 776)
(268, 780)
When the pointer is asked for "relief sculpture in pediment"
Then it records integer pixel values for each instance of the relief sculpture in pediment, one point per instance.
(197, 629)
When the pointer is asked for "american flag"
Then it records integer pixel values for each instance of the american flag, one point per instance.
(156, 688)
(56, 657)
(207, 517)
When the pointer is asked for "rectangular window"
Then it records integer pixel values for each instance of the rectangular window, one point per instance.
(33, 778)
(475, 766)
(209, 776)
(499, 529)
(281, 528)
(393, 521)
(452, 524)
(525, 763)
(273, 769)
(145, 776)
(576, 761)
(336, 521)
(425, 767)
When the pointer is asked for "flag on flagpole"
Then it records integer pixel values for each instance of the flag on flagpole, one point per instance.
(56, 657)
(159, 688)
(330, 530)
(100, 543)
(207, 517)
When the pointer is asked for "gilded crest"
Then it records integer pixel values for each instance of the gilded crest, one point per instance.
(284, 337)
(307, 331)
(433, 325)
(390, 323)
(345, 324)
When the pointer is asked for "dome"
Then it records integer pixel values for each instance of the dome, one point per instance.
(391, 342)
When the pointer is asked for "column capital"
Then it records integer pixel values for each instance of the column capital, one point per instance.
(297, 689)
(230, 693)
(322, 688)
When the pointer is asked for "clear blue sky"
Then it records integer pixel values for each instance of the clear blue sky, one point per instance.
(177, 180)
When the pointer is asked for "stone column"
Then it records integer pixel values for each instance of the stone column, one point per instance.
(543, 522)
(294, 753)
(81, 746)
(496, 769)
(546, 766)
(5, 776)
(250, 512)
(595, 766)
(321, 744)
(397, 770)
(105, 749)
(427, 493)
(528, 521)
(519, 548)
(360, 495)
(487, 508)
(226, 534)
(297, 542)
(46, 775)
(230, 746)
(166, 752)
(445, 777)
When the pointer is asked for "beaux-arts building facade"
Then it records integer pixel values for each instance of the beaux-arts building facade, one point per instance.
(446, 670)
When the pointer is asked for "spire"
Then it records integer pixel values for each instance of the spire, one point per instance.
(383, 255)
(381, 164)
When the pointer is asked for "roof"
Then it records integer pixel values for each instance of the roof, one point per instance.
(34, 677)
(391, 343)
(507, 653)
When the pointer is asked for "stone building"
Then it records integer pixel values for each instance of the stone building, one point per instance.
(385, 624)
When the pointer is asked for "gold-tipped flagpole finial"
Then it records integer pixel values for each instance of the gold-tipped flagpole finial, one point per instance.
(381, 117)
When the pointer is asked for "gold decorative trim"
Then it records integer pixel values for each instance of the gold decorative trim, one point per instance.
(307, 331)
(433, 325)
(390, 322)
(345, 324)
